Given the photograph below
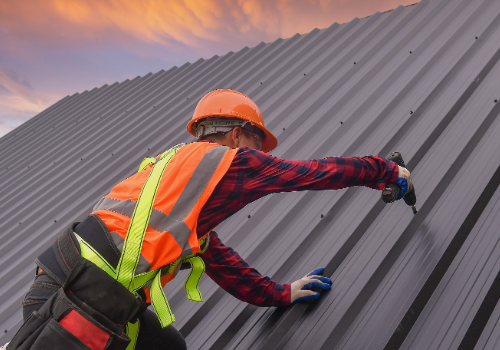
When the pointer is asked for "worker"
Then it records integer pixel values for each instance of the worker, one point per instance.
(94, 284)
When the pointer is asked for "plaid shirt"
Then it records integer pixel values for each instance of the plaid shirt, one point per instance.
(253, 175)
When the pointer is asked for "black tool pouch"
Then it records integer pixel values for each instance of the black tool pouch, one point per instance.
(90, 311)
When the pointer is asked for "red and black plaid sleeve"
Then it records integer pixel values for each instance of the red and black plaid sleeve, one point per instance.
(254, 174)
(232, 273)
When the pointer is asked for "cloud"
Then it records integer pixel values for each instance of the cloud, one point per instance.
(202, 24)
(4, 128)
(18, 100)
(18, 84)
(3, 90)
(66, 46)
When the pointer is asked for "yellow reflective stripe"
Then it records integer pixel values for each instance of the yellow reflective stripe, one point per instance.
(160, 303)
(146, 162)
(193, 280)
(139, 222)
(132, 330)
(92, 255)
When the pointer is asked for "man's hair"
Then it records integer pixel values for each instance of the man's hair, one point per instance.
(213, 137)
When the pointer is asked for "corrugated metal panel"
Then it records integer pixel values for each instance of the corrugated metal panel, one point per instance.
(421, 79)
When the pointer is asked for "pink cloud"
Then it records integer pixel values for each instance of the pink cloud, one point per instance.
(18, 100)
(203, 24)
(67, 46)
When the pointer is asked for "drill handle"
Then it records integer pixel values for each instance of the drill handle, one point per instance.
(390, 193)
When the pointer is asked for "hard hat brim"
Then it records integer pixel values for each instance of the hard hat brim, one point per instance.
(268, 144)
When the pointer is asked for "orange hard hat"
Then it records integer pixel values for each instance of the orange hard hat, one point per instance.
(232, 104)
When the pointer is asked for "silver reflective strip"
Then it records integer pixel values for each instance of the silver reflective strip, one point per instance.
(143, 265)
(159, 221)
(125, 208)
(162, 222)
(197, 183)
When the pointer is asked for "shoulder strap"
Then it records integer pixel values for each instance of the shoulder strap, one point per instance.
(132, 245)
(67, 250)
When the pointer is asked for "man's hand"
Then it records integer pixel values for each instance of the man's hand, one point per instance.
(404, 181)
(301, 289)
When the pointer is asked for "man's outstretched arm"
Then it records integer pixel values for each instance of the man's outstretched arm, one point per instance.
(254, 174)
(235, 276)
(226, 268)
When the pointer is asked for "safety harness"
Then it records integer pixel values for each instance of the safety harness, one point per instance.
(98, 303)
(129, 259)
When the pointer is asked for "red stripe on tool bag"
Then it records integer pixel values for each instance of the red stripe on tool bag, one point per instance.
(94, 337)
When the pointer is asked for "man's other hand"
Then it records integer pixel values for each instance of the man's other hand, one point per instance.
(301, 289)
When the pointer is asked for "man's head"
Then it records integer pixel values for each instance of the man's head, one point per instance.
(232, 119)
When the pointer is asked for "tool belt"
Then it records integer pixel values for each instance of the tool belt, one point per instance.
(91, 310)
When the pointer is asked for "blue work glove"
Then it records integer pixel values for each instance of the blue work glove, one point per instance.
(404, 181)
(301, 289)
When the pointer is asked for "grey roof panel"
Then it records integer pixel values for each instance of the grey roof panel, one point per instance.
(421, 79)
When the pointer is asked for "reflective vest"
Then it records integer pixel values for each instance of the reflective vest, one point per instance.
(152, 217)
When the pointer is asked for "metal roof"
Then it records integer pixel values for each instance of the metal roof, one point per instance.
(422, 79)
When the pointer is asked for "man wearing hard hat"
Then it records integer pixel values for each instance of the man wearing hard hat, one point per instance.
(92, 287)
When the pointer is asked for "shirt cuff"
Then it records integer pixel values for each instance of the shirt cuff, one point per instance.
(282, 295)
(395, 173)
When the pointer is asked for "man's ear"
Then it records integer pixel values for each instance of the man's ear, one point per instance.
(236, 134)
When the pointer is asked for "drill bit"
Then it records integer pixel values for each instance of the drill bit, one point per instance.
(414, 209)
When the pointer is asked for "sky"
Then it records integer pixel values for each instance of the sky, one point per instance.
(53, 48)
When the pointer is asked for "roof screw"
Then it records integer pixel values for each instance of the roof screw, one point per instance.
(496, 101)
(81, 158)
(411, 52)
(5, 331)
(112, 154)
(322, 216)
(283, 129)
(304, 74)
(354, 62)
(341, 122)
(249, 216)
(187, 98)
(476, 37)
(260, 83)
(411, 112)
(19, 222)
(55, 220)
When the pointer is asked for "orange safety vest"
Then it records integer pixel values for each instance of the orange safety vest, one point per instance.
(186, 184)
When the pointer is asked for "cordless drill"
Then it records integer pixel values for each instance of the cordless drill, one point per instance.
(391, 191)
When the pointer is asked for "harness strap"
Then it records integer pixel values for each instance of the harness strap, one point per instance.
(146, 162)
(132, 330)
(134, 238)
(193, 280)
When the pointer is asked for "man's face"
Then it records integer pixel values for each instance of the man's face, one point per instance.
(250, 139)
(238, 137)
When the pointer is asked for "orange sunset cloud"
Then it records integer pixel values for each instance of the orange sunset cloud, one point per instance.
(197, 23)
(52, 48)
